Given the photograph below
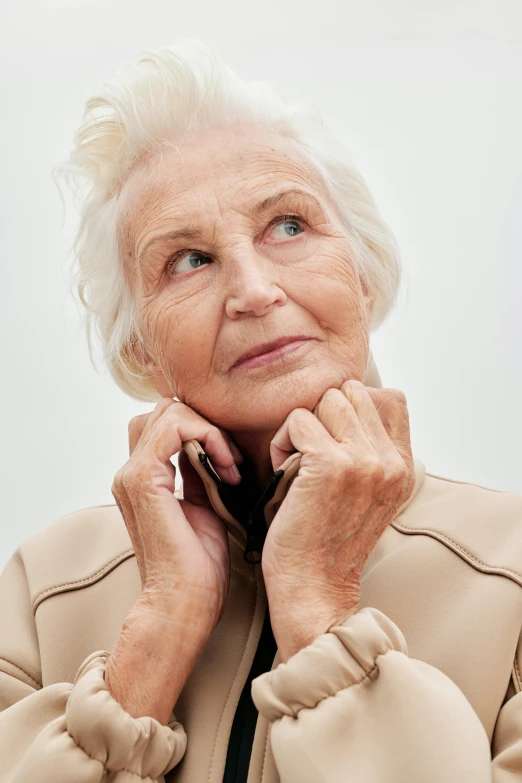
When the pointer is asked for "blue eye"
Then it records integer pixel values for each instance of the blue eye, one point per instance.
(193, 256)
(289, 224)
(194, 259)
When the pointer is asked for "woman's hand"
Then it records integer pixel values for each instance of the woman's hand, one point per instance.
(182, 554)
(181, 545)
(356, 472)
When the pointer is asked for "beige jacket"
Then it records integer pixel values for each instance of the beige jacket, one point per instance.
(421, 685)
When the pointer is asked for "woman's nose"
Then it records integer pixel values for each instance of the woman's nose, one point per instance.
(251, 287)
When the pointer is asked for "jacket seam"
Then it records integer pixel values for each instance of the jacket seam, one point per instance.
(474, 562)
(467, 556)
(517, 679)
(231, 686)
(93, 578)
(15, 665)
(89, 580)
(266, 751)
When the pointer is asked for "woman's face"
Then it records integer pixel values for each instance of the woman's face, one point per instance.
(263, 255)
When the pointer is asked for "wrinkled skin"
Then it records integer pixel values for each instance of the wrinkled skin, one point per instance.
(249, 277)
(324, 530)
(255, 282)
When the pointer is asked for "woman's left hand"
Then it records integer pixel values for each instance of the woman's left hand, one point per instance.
(356, 471)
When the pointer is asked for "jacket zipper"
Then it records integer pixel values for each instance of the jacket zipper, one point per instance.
(241, 738)
(256, 529)
(253, 521)
(245, 719)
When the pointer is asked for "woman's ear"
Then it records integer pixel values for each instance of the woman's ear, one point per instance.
(368, 296)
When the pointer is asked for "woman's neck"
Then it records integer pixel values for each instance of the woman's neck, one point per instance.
(255, 446)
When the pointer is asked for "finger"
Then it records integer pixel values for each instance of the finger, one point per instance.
(392, 430)
(301, 431)
(170, 431)
(339, 417)
(392, 408)
(355, 392)
(140, 426)
(234, 448)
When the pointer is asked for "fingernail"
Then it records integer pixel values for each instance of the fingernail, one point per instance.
(231, 474)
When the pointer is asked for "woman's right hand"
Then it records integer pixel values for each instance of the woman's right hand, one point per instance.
(181, 546)
(182, 554)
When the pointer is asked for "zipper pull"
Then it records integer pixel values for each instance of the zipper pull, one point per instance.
(254, 545)
(255, 525)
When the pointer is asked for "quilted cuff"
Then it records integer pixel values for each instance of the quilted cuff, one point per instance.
(343, 656)
(106, 732)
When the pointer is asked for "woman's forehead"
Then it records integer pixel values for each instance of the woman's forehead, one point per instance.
(239, 161)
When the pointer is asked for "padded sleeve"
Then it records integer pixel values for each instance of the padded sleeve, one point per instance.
(68, 731)
(353, 706)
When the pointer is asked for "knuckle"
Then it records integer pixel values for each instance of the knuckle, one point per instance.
(353, 384)
(172, 411)
(164, 403)
(116, 485)
(337, 463)
(331, 392)
(397, 478)
(341, 464)
(373, 468)
(331, 397)
(214, 436)
(131, 477)
(138, 422)
(296, 415)
(398, 395)
(119, 482)
(368, 469)
(328, 396)
(167, 412)
(397, 472)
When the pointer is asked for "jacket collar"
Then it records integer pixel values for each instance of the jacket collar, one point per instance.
(248, 515)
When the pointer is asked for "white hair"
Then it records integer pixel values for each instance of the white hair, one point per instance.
(165, 95)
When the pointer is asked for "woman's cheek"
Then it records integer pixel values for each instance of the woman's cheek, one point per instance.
(325, 288)
(161, 319)
(192, 332)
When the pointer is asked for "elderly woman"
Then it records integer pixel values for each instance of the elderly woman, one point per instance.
(314, 607)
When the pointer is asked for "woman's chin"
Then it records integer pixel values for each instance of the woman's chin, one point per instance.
(243, 406)
(269, 409)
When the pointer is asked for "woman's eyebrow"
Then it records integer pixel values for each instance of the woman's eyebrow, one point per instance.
(188, 234)
(272, 201)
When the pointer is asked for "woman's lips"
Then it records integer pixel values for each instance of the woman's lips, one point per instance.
(273, 356)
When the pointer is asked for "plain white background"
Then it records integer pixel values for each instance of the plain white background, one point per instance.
(427, 96)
